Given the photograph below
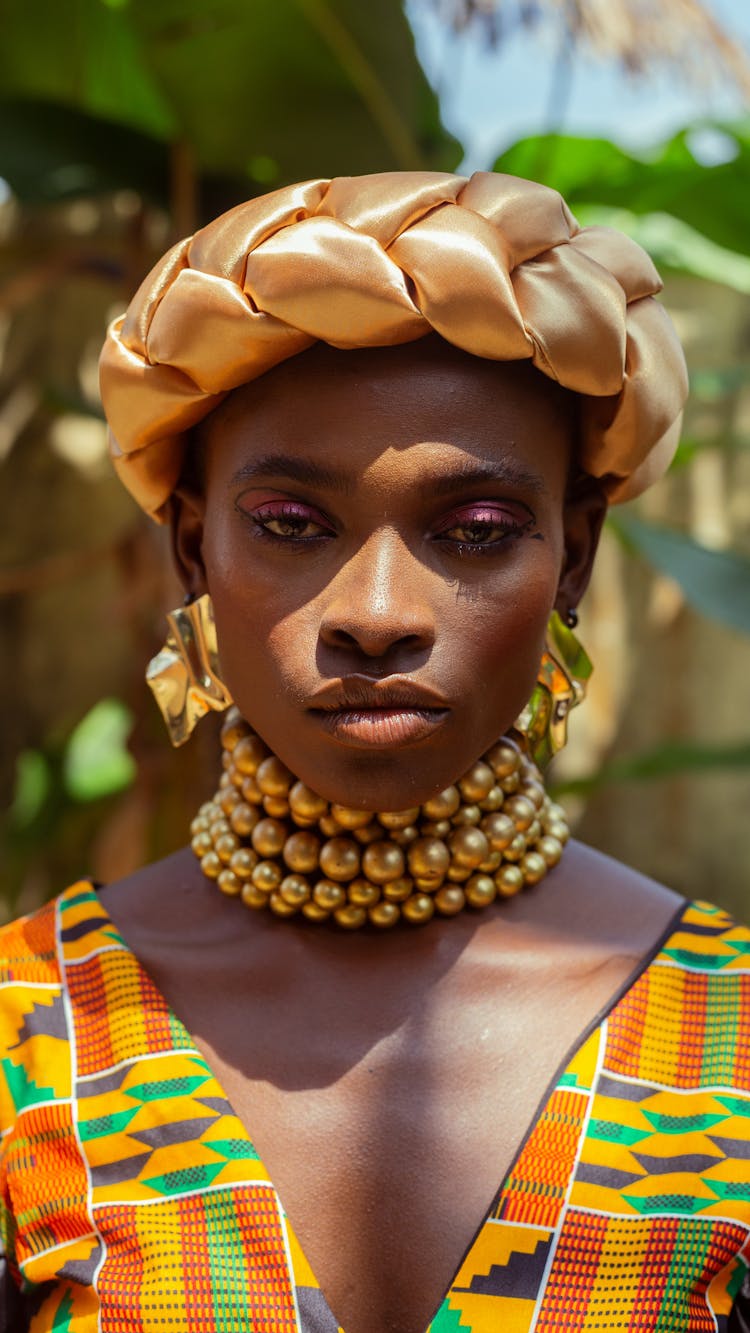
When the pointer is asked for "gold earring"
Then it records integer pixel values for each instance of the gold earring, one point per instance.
(184, 676)
(564, 673)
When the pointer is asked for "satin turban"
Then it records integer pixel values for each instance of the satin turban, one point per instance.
(496, 265)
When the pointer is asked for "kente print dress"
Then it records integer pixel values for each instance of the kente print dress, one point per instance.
(133, 1201)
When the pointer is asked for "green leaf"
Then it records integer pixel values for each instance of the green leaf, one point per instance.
(674, 244)
(260, 92)
(33, 779)
(716, 583)
(711, 199)
(96, 761)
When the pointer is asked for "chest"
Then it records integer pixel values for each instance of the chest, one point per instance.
(388, 1138)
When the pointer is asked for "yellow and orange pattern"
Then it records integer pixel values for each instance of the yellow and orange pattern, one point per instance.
(132, 1199)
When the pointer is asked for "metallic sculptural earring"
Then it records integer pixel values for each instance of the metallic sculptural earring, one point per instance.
(561, 683)
(184, 675)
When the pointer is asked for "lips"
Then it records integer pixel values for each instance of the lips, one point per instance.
(379, 714)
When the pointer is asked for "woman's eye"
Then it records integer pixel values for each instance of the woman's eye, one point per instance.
(484, 527)
(287, 521)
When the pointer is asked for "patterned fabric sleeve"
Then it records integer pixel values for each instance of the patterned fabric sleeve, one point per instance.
(15, 1312)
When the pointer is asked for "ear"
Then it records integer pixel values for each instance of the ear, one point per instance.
(585, 510)
(186, 524)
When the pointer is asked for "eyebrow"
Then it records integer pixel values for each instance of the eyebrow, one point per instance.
(310, 473)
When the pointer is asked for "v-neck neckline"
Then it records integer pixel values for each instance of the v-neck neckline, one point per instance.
(192, 1051)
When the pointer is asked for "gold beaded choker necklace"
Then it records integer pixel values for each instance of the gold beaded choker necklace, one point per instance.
(276, 844)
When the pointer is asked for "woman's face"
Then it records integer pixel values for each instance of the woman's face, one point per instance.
(384, 534)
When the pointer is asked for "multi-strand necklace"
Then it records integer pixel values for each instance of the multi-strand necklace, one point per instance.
(275, 843)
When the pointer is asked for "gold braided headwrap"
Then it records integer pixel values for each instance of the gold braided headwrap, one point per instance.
(496, 265)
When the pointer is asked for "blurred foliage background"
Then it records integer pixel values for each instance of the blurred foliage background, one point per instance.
(126, 124)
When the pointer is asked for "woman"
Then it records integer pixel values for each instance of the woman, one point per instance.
(382, 418)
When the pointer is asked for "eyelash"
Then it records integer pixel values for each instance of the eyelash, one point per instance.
(282, 512)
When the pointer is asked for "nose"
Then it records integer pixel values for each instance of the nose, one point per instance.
(378, 604)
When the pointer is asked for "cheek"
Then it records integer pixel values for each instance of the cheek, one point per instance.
(266, 628)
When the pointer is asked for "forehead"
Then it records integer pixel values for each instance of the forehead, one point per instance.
(427, 395)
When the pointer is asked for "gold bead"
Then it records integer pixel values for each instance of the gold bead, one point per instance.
(295, 890)
(199, 825)
(509, 881)
(202, 843)
(229, 883)
(556, 829)
(459, 874)
(225, 846)
(436, 828)
(340, 859)
(428, 858)
(504, 758)
(467, 815)
(235, 777)
(550, 848)
(499, 830)
(475, 785)
(225, 780)
(253, 897)
(314, 912)
(534, 831)
(450, 900)
(329, 895)
(515, 849)
(362, 893)
(398, 890)
(384, 914)
(269, 836)
(234, 729)
(533, 867)
(510, 784)
(211, 865)
(383, 861)
(301, 822)
(302, 852)
(418, 908)
(405, 836)
(429, 883)
(243, 819)
(273, 777)
(328, 826)
(248, 754)
(267, 876)
(350, 917)
(491, 863)
(556, 811)
(534, 791)
(226, 763)
(370, 833)
(493, 800)
(276, 807)
(306, 802)
(244, 862)
(398, 819)
(219, 826)
(229, 800)
(279, 906)
(251, 791)
(351, 819)
(521, 810)
(468, 847)
(480, 890)
(444, 805)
